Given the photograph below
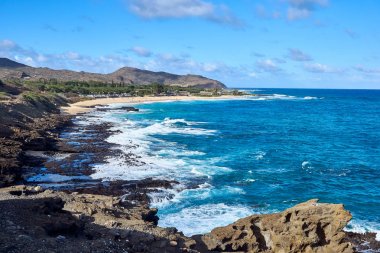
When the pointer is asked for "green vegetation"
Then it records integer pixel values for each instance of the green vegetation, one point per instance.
(32, 89)
(99, 88)
(46, 99)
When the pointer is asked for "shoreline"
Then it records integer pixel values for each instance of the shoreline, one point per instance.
(88, 105)
(74, 220)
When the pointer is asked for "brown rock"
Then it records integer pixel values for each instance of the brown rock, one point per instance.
(307, 227)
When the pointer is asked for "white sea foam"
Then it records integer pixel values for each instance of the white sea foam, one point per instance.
(363, 227)
(179, 152)
(280, 97)
(305, 165)
(201, 219)
(246, 181)
(146, 155)
(260, 155)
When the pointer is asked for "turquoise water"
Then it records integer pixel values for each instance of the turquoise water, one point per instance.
(255, 155)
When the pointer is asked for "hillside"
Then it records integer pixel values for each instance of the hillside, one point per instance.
(10, 69)
(6, 63)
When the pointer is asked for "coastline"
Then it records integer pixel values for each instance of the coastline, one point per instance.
(121, 220)
(87, 105)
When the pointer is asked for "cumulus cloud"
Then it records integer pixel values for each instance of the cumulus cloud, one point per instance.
(300, 9)
(321, 68)
(268, 65)
(297, 55)
(66, 60)
(184, 64)
(178, 64)
(289, 9)
(151, 9)
(141, 51)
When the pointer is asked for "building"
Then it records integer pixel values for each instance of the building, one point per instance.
(205, 93)
(183, 93)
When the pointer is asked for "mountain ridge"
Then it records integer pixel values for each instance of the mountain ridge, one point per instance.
(10, 69)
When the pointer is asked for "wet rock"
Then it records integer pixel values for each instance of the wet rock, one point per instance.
(364, 242)
(151, 216)
(125, 108)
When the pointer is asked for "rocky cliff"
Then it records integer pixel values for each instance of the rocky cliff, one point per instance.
(11, 69)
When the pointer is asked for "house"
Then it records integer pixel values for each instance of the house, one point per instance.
(183, 93)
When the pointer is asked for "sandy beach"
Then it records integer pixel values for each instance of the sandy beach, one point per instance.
(87, 105)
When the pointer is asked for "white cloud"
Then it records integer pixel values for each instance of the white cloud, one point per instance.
(171, 8)
(66, 60)
(141, 51)
(268, 65)
(297, 55)
(182, 64)
(300, 9)
(295, 13)
(151, 9)
(321, 68)
(7, 44)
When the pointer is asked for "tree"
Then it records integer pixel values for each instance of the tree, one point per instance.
(158, 88)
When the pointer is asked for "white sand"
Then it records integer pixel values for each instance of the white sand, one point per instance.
(85, 106)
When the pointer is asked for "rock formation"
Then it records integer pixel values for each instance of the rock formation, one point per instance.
(307, 227)
(79, 222)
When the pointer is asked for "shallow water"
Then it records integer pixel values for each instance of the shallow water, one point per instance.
(254, 155)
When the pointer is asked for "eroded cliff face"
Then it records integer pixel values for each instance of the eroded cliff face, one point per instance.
(307, 227)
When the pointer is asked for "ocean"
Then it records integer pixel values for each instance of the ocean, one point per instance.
(253, 155)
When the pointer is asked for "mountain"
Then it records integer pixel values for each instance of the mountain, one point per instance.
(6, 63)
(10, 69)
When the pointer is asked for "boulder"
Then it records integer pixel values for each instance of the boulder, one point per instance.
(307, 227)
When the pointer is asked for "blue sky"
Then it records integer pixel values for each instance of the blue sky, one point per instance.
(243, 43)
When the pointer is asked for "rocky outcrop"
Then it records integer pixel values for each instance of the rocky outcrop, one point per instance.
(27, 126)
(11, 69)
(78, 222)
(307, 227)
(75, 222)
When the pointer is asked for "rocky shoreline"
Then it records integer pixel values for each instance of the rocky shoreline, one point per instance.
(115, 216)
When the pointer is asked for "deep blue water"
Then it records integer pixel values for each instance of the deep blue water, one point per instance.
(256, 155)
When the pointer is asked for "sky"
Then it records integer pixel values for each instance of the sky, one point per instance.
(242, 43)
